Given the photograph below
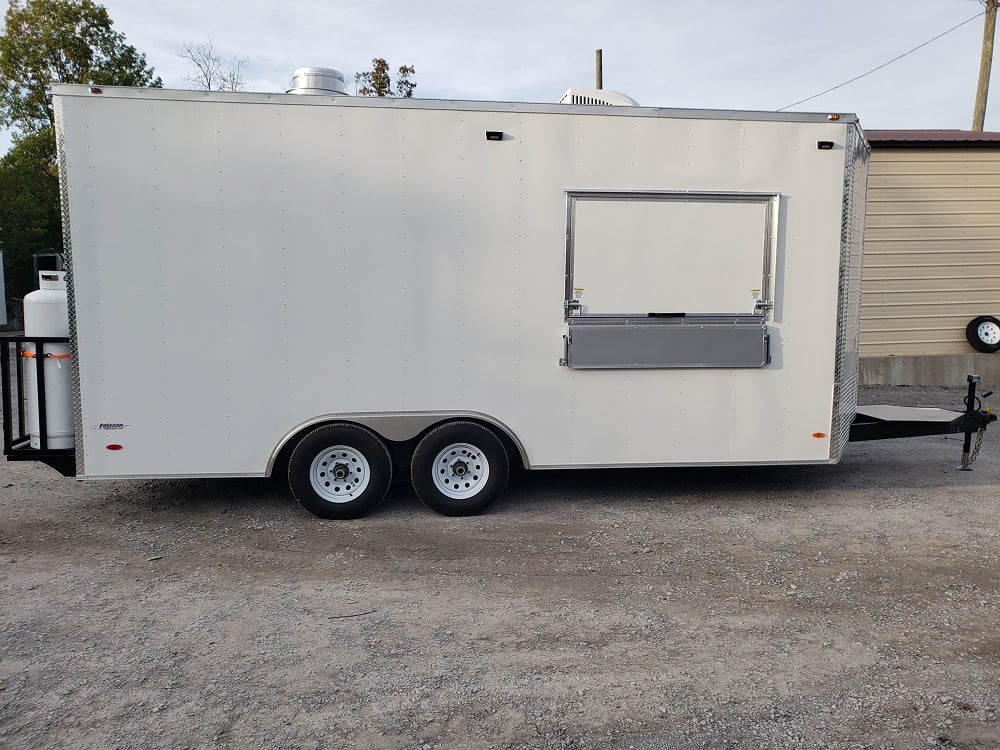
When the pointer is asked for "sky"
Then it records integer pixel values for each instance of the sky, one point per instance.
(718, 54)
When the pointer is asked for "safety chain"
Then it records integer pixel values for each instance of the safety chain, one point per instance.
(968, 460)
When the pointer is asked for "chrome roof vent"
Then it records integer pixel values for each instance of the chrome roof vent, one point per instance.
(326, 81)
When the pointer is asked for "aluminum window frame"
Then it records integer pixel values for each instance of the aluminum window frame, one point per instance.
(772, 216)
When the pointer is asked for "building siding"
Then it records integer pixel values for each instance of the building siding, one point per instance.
(932, 249)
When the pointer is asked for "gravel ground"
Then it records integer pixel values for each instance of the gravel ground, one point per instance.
(852, 606)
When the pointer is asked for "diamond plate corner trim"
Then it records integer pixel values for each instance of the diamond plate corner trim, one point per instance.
(57, 106)
(845, 389)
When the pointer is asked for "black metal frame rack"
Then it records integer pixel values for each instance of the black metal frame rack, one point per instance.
(17, 444)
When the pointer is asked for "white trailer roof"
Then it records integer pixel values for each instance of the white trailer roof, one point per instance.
(71, 89)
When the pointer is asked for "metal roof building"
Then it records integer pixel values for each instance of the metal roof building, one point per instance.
(932, 255)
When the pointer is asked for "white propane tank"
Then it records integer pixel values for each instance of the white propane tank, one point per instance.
(46, 314)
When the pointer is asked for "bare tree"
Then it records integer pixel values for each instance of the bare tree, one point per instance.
(209, 71)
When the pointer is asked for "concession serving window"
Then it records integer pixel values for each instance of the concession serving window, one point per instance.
(669, 279)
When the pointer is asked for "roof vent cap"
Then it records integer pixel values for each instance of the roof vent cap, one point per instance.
(602, 97)
(325, 81)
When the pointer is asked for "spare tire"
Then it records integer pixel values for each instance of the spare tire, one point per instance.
(984, 334)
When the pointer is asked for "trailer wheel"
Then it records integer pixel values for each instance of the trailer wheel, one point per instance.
(984, 334)
(459, 469)
(340, 471)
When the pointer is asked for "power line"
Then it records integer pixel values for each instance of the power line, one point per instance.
(890, 62)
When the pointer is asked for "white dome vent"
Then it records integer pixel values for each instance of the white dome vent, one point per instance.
(602, 97)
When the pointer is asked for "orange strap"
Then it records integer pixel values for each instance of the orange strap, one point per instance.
(31, 355)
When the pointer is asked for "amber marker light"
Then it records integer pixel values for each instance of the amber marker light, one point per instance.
(819, 434)
(833, 117)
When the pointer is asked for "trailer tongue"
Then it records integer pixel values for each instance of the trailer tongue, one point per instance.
(887, 422)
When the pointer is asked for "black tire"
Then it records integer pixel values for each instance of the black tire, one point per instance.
(462, 455)
(350, 466)
(983, 333)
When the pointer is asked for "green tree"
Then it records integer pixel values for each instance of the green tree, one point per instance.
(70, 41)
(29, 208)
(378, 81)
(404, 86)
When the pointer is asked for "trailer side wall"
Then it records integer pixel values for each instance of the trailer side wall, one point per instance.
(244, 264)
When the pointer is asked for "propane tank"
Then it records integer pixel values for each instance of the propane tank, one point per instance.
(45, 314)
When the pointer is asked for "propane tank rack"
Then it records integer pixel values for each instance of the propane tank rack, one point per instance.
(15, 356)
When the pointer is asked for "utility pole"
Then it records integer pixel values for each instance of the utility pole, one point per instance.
(985, 64)
(599, 63)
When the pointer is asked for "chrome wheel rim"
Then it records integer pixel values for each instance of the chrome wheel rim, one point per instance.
(989, 333)
(460, 471)
(339, 474)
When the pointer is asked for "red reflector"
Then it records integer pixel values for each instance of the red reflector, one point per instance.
(96, 90)
(113, 447)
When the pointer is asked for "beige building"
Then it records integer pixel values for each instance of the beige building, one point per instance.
(932, 255)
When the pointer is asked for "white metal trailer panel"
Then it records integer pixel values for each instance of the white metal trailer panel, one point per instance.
(243, 265)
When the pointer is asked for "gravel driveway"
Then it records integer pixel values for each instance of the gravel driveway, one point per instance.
(850, 606)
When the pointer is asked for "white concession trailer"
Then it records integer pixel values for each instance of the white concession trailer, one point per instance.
(343, 288)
